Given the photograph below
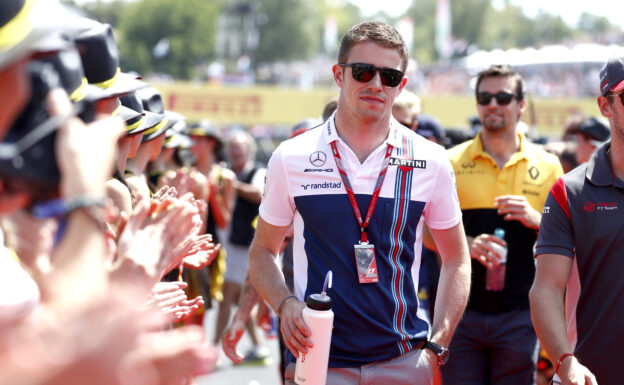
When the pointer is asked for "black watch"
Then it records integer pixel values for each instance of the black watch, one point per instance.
(440, 351)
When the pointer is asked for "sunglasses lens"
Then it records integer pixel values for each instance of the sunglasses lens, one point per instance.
(390, 77)
(503, 98)
(484, 98)
(363, 73)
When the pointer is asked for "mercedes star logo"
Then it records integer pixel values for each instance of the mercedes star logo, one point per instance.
(318, 158)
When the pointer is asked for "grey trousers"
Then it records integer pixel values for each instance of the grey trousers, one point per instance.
(411, 368)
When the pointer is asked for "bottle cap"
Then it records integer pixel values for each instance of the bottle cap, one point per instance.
(499, 232)
(319, 301)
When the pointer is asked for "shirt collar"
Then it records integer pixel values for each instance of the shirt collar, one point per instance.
(394, 136)
(599, 170)
(476, 150)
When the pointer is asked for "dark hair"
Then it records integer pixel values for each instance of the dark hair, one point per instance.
(377, 32)
(502, 70)
(329, 108)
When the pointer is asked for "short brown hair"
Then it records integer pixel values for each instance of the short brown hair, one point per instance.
(376, 32)
(502, 70)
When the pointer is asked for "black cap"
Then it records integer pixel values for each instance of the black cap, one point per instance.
(29, 143)
(150, 119)
(319, 301)
(612, 75)
(595, 129)
(29, 26)
(429, 127)
(100, 61)
(152, 100)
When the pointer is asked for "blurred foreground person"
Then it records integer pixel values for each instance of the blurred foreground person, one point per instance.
(94, 318)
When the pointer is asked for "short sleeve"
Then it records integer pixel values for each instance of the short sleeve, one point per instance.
(443, 211)
(555, 235)
(277, 208)
(258, 179)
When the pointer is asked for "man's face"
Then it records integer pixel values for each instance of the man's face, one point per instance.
(106, 106)
(495, 117)
(156, 146)
(202, 145)
(14, 92)
(135, 142)
(403, 116)
(370, 101)
(612, 107)
(584, 148)
(238, 153)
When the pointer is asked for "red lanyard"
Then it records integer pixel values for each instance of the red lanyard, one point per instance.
(345, 180)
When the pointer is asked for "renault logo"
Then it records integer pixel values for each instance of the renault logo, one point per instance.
(534, 172)
(318, 158)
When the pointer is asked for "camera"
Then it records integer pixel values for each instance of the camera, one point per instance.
(27, 153)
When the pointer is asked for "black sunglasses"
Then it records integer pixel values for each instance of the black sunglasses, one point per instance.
(364, 73)
(621, 95)
(502, 98)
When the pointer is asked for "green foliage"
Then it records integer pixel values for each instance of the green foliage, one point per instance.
(291, 32)
(293, 29)
(346, 14)
(595, 25)
(189, 26)
(422, 13)
(469, 18)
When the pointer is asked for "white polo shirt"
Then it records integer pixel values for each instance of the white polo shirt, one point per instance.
(375, 321)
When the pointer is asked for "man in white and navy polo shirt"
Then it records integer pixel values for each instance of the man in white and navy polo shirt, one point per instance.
(361, 181)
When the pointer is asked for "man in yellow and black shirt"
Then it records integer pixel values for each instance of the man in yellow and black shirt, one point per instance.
(502, 182)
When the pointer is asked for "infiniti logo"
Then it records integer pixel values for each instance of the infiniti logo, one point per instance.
(318, 158)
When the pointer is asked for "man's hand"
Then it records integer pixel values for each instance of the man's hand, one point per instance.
(32, 239)
(202, 253)
(170, 299)
(263, 316)
(85, 153)
(571, 372)
(157, 235)
(294, 330)
(231, 337)
(433, 360)
(517, 208)
(481, 249)
(170, 356)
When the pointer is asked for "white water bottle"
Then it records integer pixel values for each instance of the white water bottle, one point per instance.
(495, 276)
(311, 367)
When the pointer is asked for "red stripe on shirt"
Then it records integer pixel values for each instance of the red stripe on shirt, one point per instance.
(558, 191)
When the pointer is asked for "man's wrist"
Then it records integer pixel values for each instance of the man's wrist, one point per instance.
(282, 304)
(565, 358)
(442, 353)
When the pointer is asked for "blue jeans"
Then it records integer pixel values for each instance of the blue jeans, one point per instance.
(495, 349)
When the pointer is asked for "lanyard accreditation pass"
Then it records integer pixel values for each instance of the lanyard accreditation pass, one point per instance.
(364, 251)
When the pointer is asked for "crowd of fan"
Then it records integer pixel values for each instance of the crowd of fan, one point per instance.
(110, 259)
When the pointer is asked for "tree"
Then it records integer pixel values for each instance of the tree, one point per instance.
(422, 13)
(184, 31)
(291, 31)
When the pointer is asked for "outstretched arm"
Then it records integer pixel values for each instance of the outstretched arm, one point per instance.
(234, 332)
